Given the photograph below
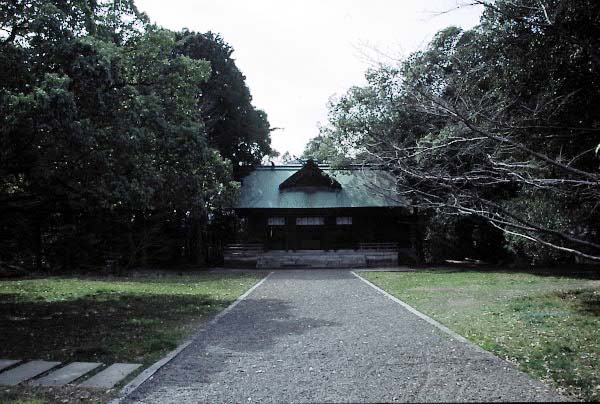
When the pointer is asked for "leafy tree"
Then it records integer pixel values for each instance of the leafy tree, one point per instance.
(103, 149)
(322, 149)
(233, 125)
(497, 123)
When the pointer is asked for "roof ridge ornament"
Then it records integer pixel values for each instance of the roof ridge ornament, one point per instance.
(310, 175)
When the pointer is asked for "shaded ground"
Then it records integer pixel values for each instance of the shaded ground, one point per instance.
(42, 395)
(546, 324)
(326, 336)
(120, 320)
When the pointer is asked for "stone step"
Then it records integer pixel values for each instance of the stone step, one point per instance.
(240, 254)
(26, 371)
(253, 247)
(311, 264)
(66, 374)
(6, 363)
(110, 376)
(327, 259)
(345, 258)
(241, 260)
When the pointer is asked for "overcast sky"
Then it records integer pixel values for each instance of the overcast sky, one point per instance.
(297, 54)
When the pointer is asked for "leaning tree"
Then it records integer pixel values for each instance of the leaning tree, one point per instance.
(498, 123)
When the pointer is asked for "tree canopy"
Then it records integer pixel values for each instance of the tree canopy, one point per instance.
(117, 136)
(232, 124)
(498, 124)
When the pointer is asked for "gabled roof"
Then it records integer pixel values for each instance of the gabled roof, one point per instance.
(309, 176)
(359, 186)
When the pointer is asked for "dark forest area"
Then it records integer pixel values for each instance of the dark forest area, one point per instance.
(437, 241)
(493, 133)
(119, 139)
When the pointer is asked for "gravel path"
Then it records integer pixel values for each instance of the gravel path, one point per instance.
(325, 336)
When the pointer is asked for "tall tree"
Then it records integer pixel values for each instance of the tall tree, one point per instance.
(233, 125)
(103, 149)
(498, 123)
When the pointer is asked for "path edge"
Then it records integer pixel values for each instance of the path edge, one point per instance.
(150, 371)
(422, 316)
(459, 337)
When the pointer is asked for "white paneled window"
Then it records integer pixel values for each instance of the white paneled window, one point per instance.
(310, 221)
(276, 221)
(345, 220)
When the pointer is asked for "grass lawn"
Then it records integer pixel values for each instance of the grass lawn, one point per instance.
(547, 325)
(108, 320)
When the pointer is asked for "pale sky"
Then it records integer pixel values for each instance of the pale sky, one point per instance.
(297, 54)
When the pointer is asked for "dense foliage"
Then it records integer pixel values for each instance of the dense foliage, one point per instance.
(497, 125)
(108, 151)
(238, 130)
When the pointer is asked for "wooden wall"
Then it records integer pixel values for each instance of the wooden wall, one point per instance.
(369, 225)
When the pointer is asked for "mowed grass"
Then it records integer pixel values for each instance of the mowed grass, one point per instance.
(110, 320)
(548, 325)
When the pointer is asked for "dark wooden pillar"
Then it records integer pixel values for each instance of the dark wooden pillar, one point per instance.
(417, 234)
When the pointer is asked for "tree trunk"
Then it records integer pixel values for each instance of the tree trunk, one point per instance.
(37, 243)
(417, 232)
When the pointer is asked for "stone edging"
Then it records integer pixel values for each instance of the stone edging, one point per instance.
(454, 335)
(149, 372)
(422, 316)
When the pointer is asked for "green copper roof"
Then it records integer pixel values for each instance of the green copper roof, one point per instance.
(360, 187)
